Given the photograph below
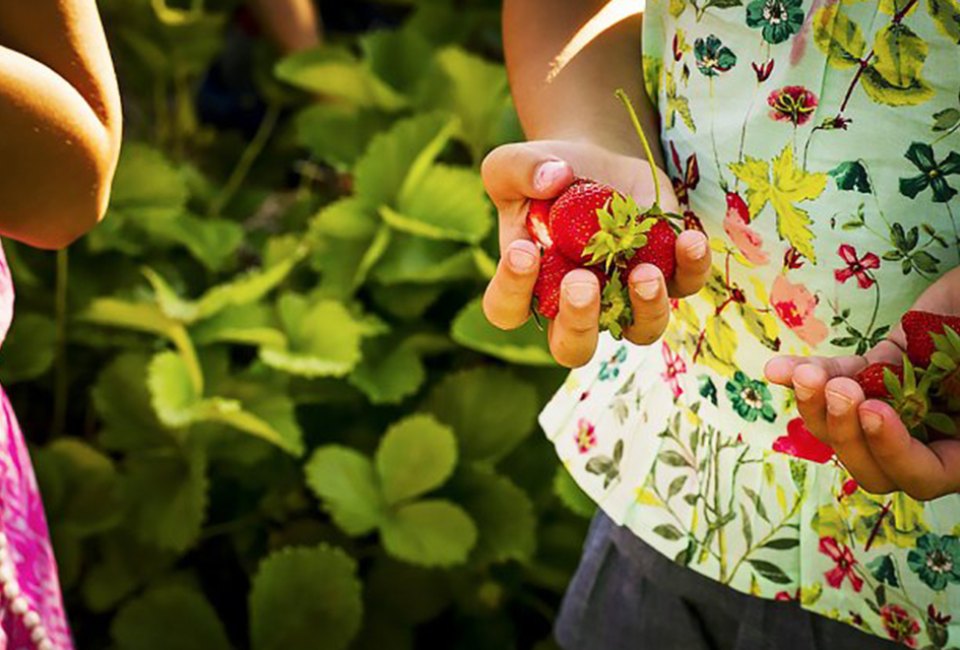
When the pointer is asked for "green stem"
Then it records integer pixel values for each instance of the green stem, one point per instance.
(249, 156)
(648, 152)
(61, 383)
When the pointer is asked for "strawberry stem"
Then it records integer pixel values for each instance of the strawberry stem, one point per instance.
(622, 96)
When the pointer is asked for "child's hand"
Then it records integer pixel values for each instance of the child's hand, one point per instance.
(867, 435)
(515, 173)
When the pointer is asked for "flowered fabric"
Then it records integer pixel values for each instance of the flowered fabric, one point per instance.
(817, 145)
(31, 607)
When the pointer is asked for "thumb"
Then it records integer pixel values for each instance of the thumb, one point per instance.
(516, 172)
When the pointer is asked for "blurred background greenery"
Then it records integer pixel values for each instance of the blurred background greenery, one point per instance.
(265, 409)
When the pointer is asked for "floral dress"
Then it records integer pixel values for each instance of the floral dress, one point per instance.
(817, 143)
(31, 608)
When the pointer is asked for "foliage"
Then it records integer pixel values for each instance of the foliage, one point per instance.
(279, 418)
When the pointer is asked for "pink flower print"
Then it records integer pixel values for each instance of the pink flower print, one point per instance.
(675, 366)
(845, 561)
(794, 104)
(586, 437)
(800, 443)
(795, 306)
(899, 625)
(857, 266)
(736, 225)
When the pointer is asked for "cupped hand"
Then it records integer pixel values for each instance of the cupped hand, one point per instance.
(516, 173)
(867, 435)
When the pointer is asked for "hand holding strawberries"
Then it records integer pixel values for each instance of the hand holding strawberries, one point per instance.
(521, 177)
(891, 425)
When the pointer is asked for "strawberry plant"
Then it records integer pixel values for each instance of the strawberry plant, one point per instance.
(265, 408)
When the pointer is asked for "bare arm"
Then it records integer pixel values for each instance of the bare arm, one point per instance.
(292, 25)
(579, 104)
(60, 120)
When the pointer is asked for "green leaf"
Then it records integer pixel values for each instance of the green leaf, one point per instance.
(946, 16)
(672, 458)
(305, 598)
(213, 242)
(668, 531)
(838, 37)
(429, 533)
(570, 494)
(415, 456)
(336, 133)
(88, 495)
(447, 203)
(323, 338)
(463, 401)
(173, 395)
(174, 616)
(128, 424)
(383, 171)
(851, 176)
(27, 352)
(770, 571)
(250, 324)
(397, 57)
(243, 289)
(145, 180)
(168, 496)
(525, 346)
(345, 481)
(335, 73)
(416, 260)
(122, 566)
(390, 372)
(893, 76)
(948, 118)
(503, 514)
(782, 544)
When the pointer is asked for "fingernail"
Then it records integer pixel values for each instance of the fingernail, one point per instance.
(580, 294)
(871, 422)
(549, 174)
(647, 290)
(698, 250)
(803, 392)
(521, 261)
(838, 404)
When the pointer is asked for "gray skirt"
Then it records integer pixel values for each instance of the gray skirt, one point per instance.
(627, 596)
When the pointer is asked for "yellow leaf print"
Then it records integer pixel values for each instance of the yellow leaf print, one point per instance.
(719, 346)
(782, 184)
(647, 497)
(677, 104)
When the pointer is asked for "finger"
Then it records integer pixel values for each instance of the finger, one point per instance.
(809, 382)
(650, 304)
(887, 351)
(516, 172)
(843, 432)
(573, 335)
(693, 264)
(780, 370)
(506, 302)
(922, 471)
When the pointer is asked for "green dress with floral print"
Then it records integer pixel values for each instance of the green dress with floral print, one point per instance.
(817, 143)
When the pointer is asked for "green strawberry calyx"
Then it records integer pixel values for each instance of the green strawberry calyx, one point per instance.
(621, 233)
(911, 400)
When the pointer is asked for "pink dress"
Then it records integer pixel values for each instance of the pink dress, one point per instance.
(31, 607)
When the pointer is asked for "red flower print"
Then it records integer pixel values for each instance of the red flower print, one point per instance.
(800, 443)
(736, 225)
(691, 175)
(795, 306)
(676, 366)
(843, 556)
(794, 104)
(786, 596)
(585, 437)
(792, 259)
(899, 626)
(938, 617)
(849, 487)
(762, 70)
(857, 266)
(692, 222)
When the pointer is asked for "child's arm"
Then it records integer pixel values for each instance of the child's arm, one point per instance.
(292, 25)
(868, 435)
(577, 127)
(59, 120)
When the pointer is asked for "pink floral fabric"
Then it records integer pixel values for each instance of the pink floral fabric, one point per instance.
(31, 607)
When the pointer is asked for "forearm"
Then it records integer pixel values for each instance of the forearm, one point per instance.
(292, 25)
(579, 104)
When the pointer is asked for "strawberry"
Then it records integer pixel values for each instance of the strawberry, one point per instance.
(872, 379)
(660, 250)
(920, 328)
(573, 217)
(553, 269)
(538, 222)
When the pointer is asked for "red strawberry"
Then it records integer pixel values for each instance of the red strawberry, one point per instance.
(871, 379)
(920, 326)
(573, 217)
(553, 269)
(538, 222)
(660, 250)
